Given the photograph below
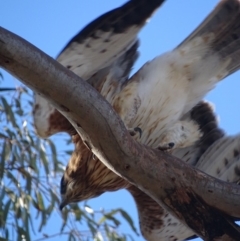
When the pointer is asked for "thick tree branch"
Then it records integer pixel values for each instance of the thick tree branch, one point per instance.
(184, 191)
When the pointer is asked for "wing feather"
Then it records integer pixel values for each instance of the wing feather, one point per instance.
(101, 42)
(221, 32)
(216, 154)
(222, 159)
(97, 51)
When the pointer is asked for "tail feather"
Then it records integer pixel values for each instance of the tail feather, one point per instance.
(222, 159)
(220, 31)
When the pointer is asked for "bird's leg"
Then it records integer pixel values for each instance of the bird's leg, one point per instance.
(180, 135)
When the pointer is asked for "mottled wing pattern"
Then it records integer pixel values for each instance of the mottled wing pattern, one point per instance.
(226, 16)
(97, 46)
(107, 81)
(222, 159)
(170, 85)
(106, 38)
(217, 42)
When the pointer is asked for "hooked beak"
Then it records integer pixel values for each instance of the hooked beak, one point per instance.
(63, 204)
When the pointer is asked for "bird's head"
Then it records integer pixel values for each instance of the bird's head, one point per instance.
(87, 177)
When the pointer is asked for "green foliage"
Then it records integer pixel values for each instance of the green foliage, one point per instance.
(30, 172)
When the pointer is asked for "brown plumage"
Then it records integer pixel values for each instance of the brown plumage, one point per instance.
(214, 46)
(84, 170)
(86, 177)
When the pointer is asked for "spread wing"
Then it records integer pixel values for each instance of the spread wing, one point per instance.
(216, 42)
(99, 45)
(87, 176)
(215, 154)
(107, 37)
(170, 85)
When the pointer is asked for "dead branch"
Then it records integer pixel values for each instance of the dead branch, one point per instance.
(198, 200)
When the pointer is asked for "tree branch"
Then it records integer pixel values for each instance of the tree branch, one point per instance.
(194, 197)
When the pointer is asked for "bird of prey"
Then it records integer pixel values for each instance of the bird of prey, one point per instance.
(162, 95)
(215, 153)
(156, 100)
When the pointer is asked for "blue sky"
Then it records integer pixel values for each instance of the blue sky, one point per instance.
(49, 25)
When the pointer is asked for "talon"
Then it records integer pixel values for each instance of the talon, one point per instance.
(132, 133)
(139, 130)
(171, 145)
(135, 130)
(167, 147)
